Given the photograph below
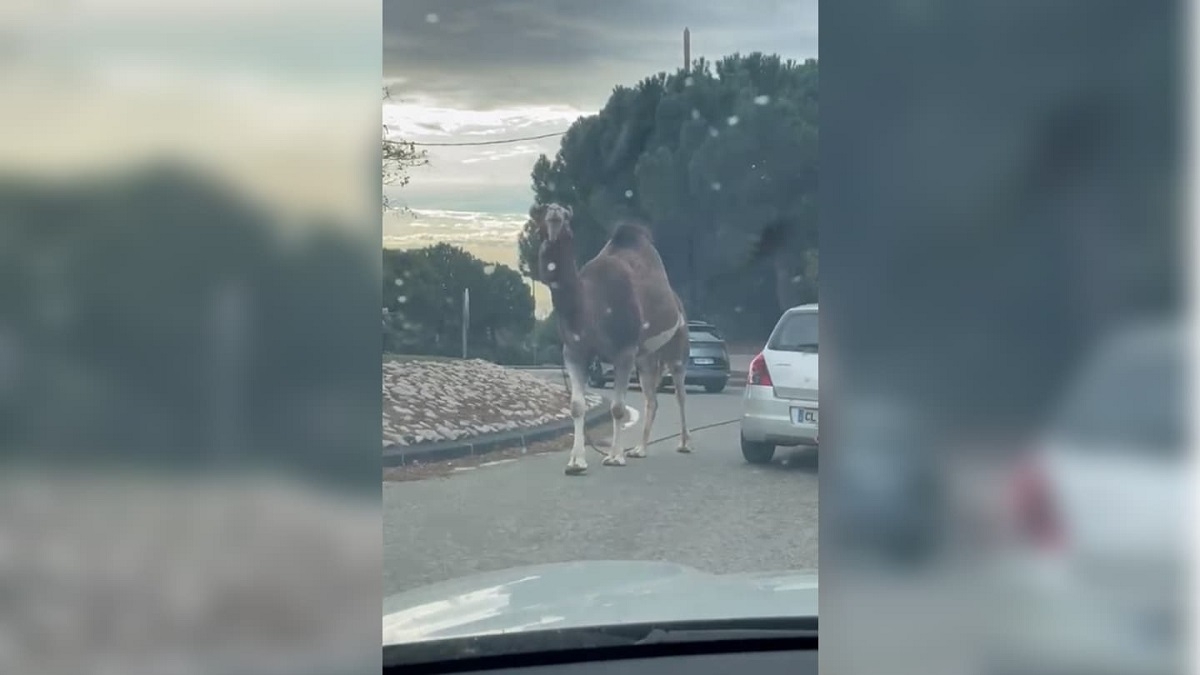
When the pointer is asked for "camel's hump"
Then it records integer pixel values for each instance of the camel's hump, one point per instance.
(630, 235)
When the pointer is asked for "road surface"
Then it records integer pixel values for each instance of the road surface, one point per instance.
(709, 509)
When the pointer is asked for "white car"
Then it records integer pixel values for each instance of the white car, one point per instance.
(779, 407)
(1093, 576)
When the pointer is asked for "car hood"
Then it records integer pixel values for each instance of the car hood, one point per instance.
(589, 594)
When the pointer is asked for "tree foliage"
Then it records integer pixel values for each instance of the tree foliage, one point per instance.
(721, 161)
(399, 156)
(422, 305)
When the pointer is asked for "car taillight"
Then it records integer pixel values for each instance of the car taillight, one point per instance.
(1035, 514)
(758, 371)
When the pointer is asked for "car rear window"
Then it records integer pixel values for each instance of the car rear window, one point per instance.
(797, 332)
(703, 336)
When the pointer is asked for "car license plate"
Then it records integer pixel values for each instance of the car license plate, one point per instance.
(804, 416)
(703, 361)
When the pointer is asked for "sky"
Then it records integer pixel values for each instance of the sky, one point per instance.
(474, 70)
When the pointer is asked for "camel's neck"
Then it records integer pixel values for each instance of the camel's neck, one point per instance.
(566, 288)
(566, 294)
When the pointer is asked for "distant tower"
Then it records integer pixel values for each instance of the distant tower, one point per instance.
(687, 50)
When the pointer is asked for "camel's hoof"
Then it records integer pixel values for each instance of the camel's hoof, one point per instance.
(613, 461)
(636, 453)
(573, 470)
(684, 449)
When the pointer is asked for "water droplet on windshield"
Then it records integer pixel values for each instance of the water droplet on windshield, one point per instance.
(402, 299)
(431, 18)
(797, 279)
(716, 186)
(646, 325)
(695, 114)
(712, 131)
(689, 81)
(738, 309)
(550, 267)
(399, 282)
(733, 120)
(488, 269)
(762, 99)
(629, 194)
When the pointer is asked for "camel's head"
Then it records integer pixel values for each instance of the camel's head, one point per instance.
(552, 219)
(555, 250)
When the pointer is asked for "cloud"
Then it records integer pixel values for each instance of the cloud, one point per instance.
(571, 52)
(474, 168)
(469, 71)
(426, 226)
(496, 155)
(425, 120)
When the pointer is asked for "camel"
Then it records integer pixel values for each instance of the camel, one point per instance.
(619, 307)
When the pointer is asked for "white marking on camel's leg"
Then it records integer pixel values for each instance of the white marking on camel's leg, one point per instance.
(650, 375)
(577, 463)
(622, 368)
(656, 342)
(678, 377)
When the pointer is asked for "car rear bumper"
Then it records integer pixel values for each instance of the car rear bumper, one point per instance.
(705, 375)
(767, 419)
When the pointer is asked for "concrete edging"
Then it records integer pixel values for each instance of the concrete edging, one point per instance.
(481, 445)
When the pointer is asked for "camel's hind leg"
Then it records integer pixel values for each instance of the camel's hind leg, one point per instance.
(678, 377)
(650, 376)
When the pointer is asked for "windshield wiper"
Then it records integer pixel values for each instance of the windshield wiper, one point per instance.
(622, 636)
(660, 636)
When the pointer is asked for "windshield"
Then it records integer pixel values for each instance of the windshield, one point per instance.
(570, 309)
(797, 332)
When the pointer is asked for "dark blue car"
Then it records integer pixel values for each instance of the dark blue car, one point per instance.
(708, 361)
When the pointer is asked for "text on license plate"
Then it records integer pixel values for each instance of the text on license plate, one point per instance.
(804, 416)
(703, 361)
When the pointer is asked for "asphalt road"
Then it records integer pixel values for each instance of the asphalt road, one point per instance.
(709, 509)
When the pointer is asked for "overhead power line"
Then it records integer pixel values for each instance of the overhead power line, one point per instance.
(498, 142)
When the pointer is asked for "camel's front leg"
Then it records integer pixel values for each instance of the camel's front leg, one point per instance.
(678, 378)
(622, 369)
(576, 373)
(650, 376)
